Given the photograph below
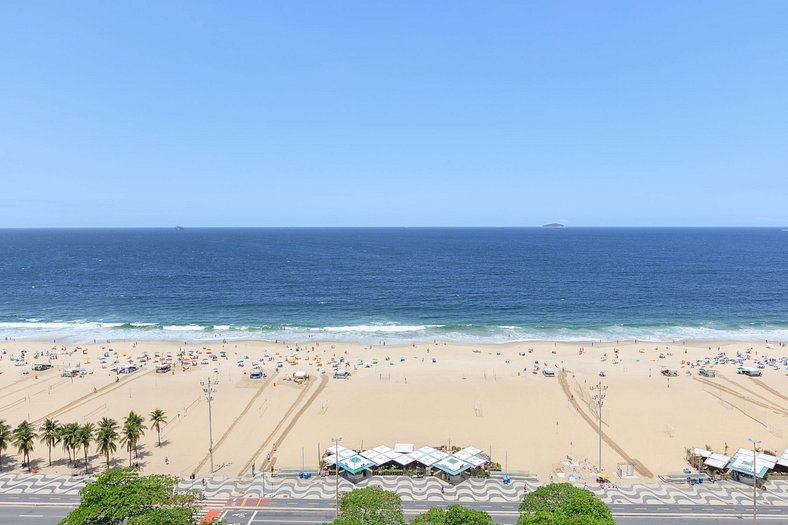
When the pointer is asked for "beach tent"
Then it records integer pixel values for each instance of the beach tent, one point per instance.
(473, 456)
(742, 463)
(404, 459)
(452, 466)
(375, 457)
(342, 455)
(717, 461)
(355, 464)
(428, 456)
(403, 448)
(701, 452)
(782, 462)
(337, 449)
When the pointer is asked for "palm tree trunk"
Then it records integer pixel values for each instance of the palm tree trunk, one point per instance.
(159, 433)
(129, 455)
(107, 458)
(27, 458)
(50, 455)
(86, 460)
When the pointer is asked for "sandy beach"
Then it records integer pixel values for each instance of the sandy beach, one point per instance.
(485, 396)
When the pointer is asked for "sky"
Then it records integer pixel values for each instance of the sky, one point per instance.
(367, 113)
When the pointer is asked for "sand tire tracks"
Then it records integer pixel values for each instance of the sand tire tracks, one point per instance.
(731, 405)
(639, 466)
(26, 380)
(756, 394)
(769, 389)
(235, 422)
(735, 393)
(104, 390)
(286, 431)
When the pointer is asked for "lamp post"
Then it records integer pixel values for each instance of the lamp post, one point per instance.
(208, 388)
(336, 441)
(599, 398)
(754, 479)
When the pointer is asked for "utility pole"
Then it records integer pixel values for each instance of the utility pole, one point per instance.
(208, 388)
(754, 479)
(599, 398)
(336, 441)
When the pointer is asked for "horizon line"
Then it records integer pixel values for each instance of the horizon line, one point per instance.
(444, 227)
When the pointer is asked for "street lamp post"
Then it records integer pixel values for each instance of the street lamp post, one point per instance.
(336, 441)
(754, 479)
(599, 398)
(208, 388)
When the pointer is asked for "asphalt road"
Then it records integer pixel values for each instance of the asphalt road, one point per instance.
(48, 510)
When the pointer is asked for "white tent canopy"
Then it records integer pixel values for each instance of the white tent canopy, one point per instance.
(404, 459)
(375, 457)
(404, 454)
(718, 461)
(743, 462)
(783, 460)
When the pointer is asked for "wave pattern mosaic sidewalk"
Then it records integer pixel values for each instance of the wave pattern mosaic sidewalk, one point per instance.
(429, 489)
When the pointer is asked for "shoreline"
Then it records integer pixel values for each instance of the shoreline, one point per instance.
(383, 341)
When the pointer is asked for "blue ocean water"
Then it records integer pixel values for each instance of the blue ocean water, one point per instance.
(463, 284)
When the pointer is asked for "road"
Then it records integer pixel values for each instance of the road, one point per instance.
(49, 509)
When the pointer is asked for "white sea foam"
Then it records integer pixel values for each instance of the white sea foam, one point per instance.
(375, 328)
(86, 331)
(184, 328)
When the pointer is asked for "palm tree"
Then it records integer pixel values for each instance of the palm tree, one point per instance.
(128, 436)
(5, 438)
(157, 418)
(106, 437)
(84, 438)
(68, 433)
(24, 437)
(136, 429)
(50, 435)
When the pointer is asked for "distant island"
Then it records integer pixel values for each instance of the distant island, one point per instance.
(553, 225)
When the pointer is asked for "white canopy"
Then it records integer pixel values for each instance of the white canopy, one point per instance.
(783, 460)
(743, 462)
(718, 461)
(430, 458)
(375, 457)
(403, 448)
(702, 452)
(333, 449)
(404, 459)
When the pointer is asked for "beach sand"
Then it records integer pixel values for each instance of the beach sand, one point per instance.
(484, 396)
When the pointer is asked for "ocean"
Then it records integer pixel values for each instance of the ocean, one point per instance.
(394, 284)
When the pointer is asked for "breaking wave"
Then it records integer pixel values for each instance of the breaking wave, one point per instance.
(85, 331)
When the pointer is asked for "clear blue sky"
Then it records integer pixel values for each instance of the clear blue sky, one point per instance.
(393, 113)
